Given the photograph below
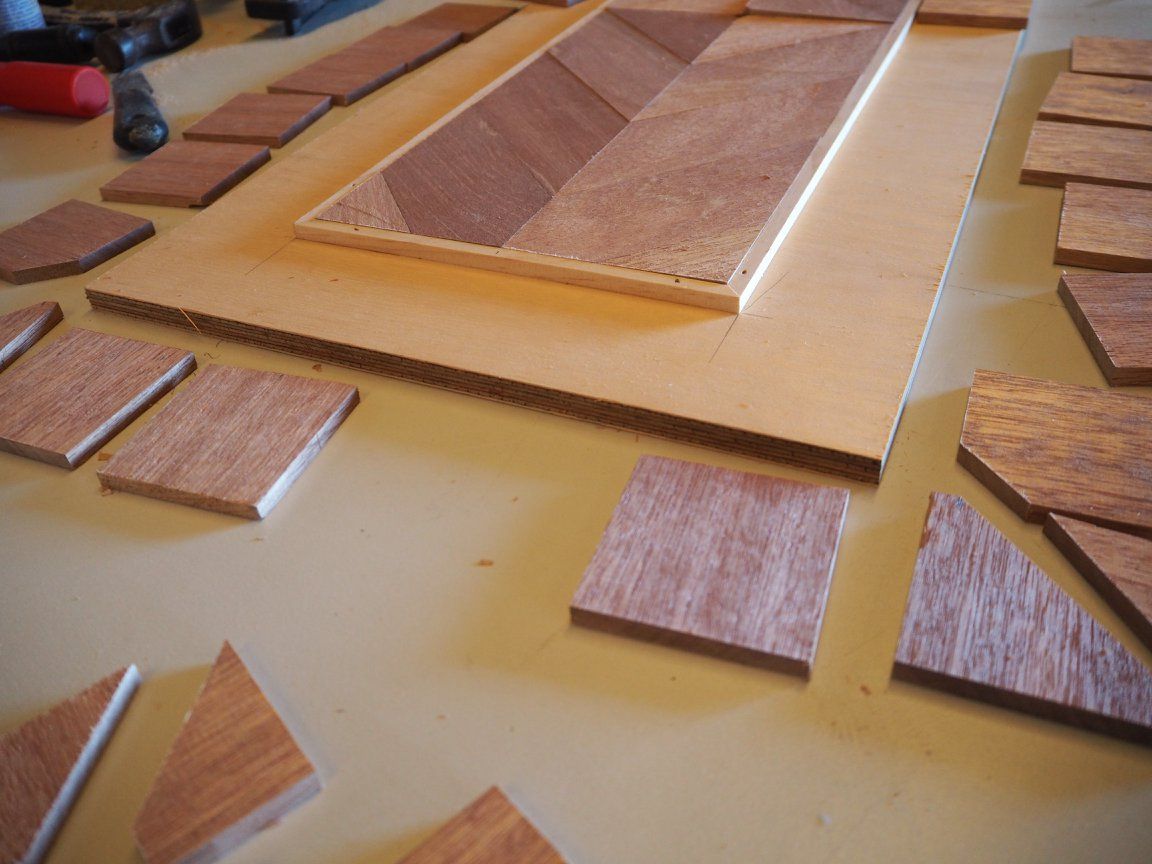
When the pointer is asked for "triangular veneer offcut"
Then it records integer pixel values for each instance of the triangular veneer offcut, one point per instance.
(233, 770)
(984, 622)
(20, 330)
(44, 763)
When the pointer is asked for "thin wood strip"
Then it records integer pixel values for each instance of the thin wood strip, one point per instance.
(1060, 153)
(22, 329)
(1105, 55)
(1105, 228)
(186, 174)
(1113, 312)
(260, 118)
(1099, 101)
(1008, 14)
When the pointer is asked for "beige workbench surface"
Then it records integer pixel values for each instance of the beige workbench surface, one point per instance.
(415, 678)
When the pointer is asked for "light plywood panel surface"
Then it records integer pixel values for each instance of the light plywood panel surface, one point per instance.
(1099, 100)
(1109, 55)
(1060, 153)
(1105, 228)
(1113, 312)
(22, 329)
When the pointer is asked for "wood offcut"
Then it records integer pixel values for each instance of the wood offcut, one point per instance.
(1006, 14)
(1105, 228)
(22, 329)
(270, 119)
(1099, 101)
(1105, 55)
(45, 763)
(986, 623)
(1113, 312)
(186, 174)
(468, 19)
(233, 770)
(722, 562)
(1060, 153)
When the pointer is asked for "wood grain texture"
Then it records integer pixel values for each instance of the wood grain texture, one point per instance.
(1008, 14)
(233, 770)
(74, 395)
(1113, 312)
(271, 119)
(233, 441)
(1046, 447)
(186, 174)
(722, 562)
(848, 10)
(470, 19)
(984, 622)
(1104, 55)
(1060, 153)
(1099, 101)
(370, 203)
(45, 762)
(67, 239)
(1117, 565)
(490, 830)
(1105, 228)
(22, 329)
(685, 34)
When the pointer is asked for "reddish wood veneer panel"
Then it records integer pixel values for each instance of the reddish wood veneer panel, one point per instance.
(1105, 228)
(849, 10)
(271, 119)
(685, 34)
(469, 19)
(1005, 14)
(1104, 55)
(186, 174)
(1099, 101)
(1113, 312)
(20, 330)
(1060, 153)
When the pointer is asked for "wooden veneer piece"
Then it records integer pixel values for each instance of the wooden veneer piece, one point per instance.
(233, 770)
(1113, 312)
(271, 119)
(1117, 565)
(722, 562)
(1099, 100)
(1105, 228)
(1006, 14)
(45, 763)
(685, 34)
(848, 10)
(75, 394)
(469, 19)
(186, 174)
(20, 330)
(233, 441)
(1060, 153)
(1104, 55)
(490, 830)
(1046, 447)
(986, 623)
(67, 239)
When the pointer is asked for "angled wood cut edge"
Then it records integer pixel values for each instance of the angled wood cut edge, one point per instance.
(1115, 322)
(21, 329)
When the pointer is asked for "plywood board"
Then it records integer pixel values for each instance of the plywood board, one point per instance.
(233, 771)
(1105, 228)
(1009, 14)
(61, 405)
(1105, 55)
(1045, 447)
(828, 399)
(270, 119)
(67, 239)
(849, 10)
(1113, 312)
(186, 174)
(984, 622)
(22, 329)
(490, 830)
(1060, 153)
(1099, 100)
(723, 562)
(45, 762)
(233, 441)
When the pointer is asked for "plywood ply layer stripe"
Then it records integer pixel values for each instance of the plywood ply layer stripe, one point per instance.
(1105, 228)
(1113, 312)
(1060, 153)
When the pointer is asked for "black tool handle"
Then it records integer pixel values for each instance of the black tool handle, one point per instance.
(137, 123)
(168, 28)
(66, 43)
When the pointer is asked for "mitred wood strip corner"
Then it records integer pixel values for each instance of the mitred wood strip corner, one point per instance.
(1105, 55)
(75, 394)
(1046, 447)
(67, 239)
(490, 830)
(984, 622)
(849, 10)
(20, 330)
(233, 770)
(1117, 565)
(1113, 312)
(1060, 153)
(271, 119)
(685, 34)
(1105, 228)
(45, 762)
(723, 562)
(186, 174)
(233, 441)
(1005, 14)
(1099, 101)
(470, 19)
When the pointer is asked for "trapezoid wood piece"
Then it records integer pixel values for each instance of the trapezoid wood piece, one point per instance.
(186, 174)
(1106, 55)
(490, 830)
(1099, 100)
(22, 329)
(45, 763)
(1105, 228)
(67, 239)
(233, 441)
(986, 623)
(1113, 312)
(848, 10)
(233, 770)
(75, 394)
(722, 562)
(270, 119)
(1007, 14)
(1060, 153)
(1044, 447)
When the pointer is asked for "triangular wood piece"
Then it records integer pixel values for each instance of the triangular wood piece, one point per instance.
(233, 770)
(1113, 312)
(44, 763)
(489, 831)
(1117, 565)
(984, 622)
(21, 329)
(685, 34)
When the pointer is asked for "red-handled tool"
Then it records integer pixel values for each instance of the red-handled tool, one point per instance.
(52, 88)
